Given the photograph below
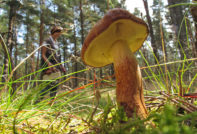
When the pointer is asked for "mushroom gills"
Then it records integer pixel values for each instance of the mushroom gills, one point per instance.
(97, 54)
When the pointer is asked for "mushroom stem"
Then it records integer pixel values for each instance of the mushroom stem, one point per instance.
(129, 91)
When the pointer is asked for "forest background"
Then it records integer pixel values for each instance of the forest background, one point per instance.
(167, 58)
(25, 24)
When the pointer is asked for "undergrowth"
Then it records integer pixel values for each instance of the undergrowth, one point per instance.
(80, 111)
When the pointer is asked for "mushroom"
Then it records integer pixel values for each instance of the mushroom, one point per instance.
(114, 39)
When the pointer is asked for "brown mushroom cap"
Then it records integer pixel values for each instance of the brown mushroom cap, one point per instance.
(117, 24)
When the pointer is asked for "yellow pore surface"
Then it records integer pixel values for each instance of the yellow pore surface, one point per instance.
(98, 52)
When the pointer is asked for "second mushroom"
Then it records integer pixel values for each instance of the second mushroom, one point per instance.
(114, 39)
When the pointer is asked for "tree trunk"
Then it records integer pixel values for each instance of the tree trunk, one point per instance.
(65, 55)
(8, 64)
(82, 30)
(32, 60)
(75, 51)
(27, 44)
(41, 32)
(27, 48)
(194, 14)
(153, 43)
(81, 21)
(15, 57)
(176, 14)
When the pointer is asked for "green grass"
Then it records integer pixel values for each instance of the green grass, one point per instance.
(73, 111)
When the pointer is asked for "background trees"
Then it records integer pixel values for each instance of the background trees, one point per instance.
(24, 25)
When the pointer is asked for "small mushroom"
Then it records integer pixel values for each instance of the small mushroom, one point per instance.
(114, 39)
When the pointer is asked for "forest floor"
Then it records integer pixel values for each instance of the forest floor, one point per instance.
(82, 114)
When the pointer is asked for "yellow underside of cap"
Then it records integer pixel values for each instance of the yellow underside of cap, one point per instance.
(98, 52)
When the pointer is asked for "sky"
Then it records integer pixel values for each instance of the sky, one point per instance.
(132, 4)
